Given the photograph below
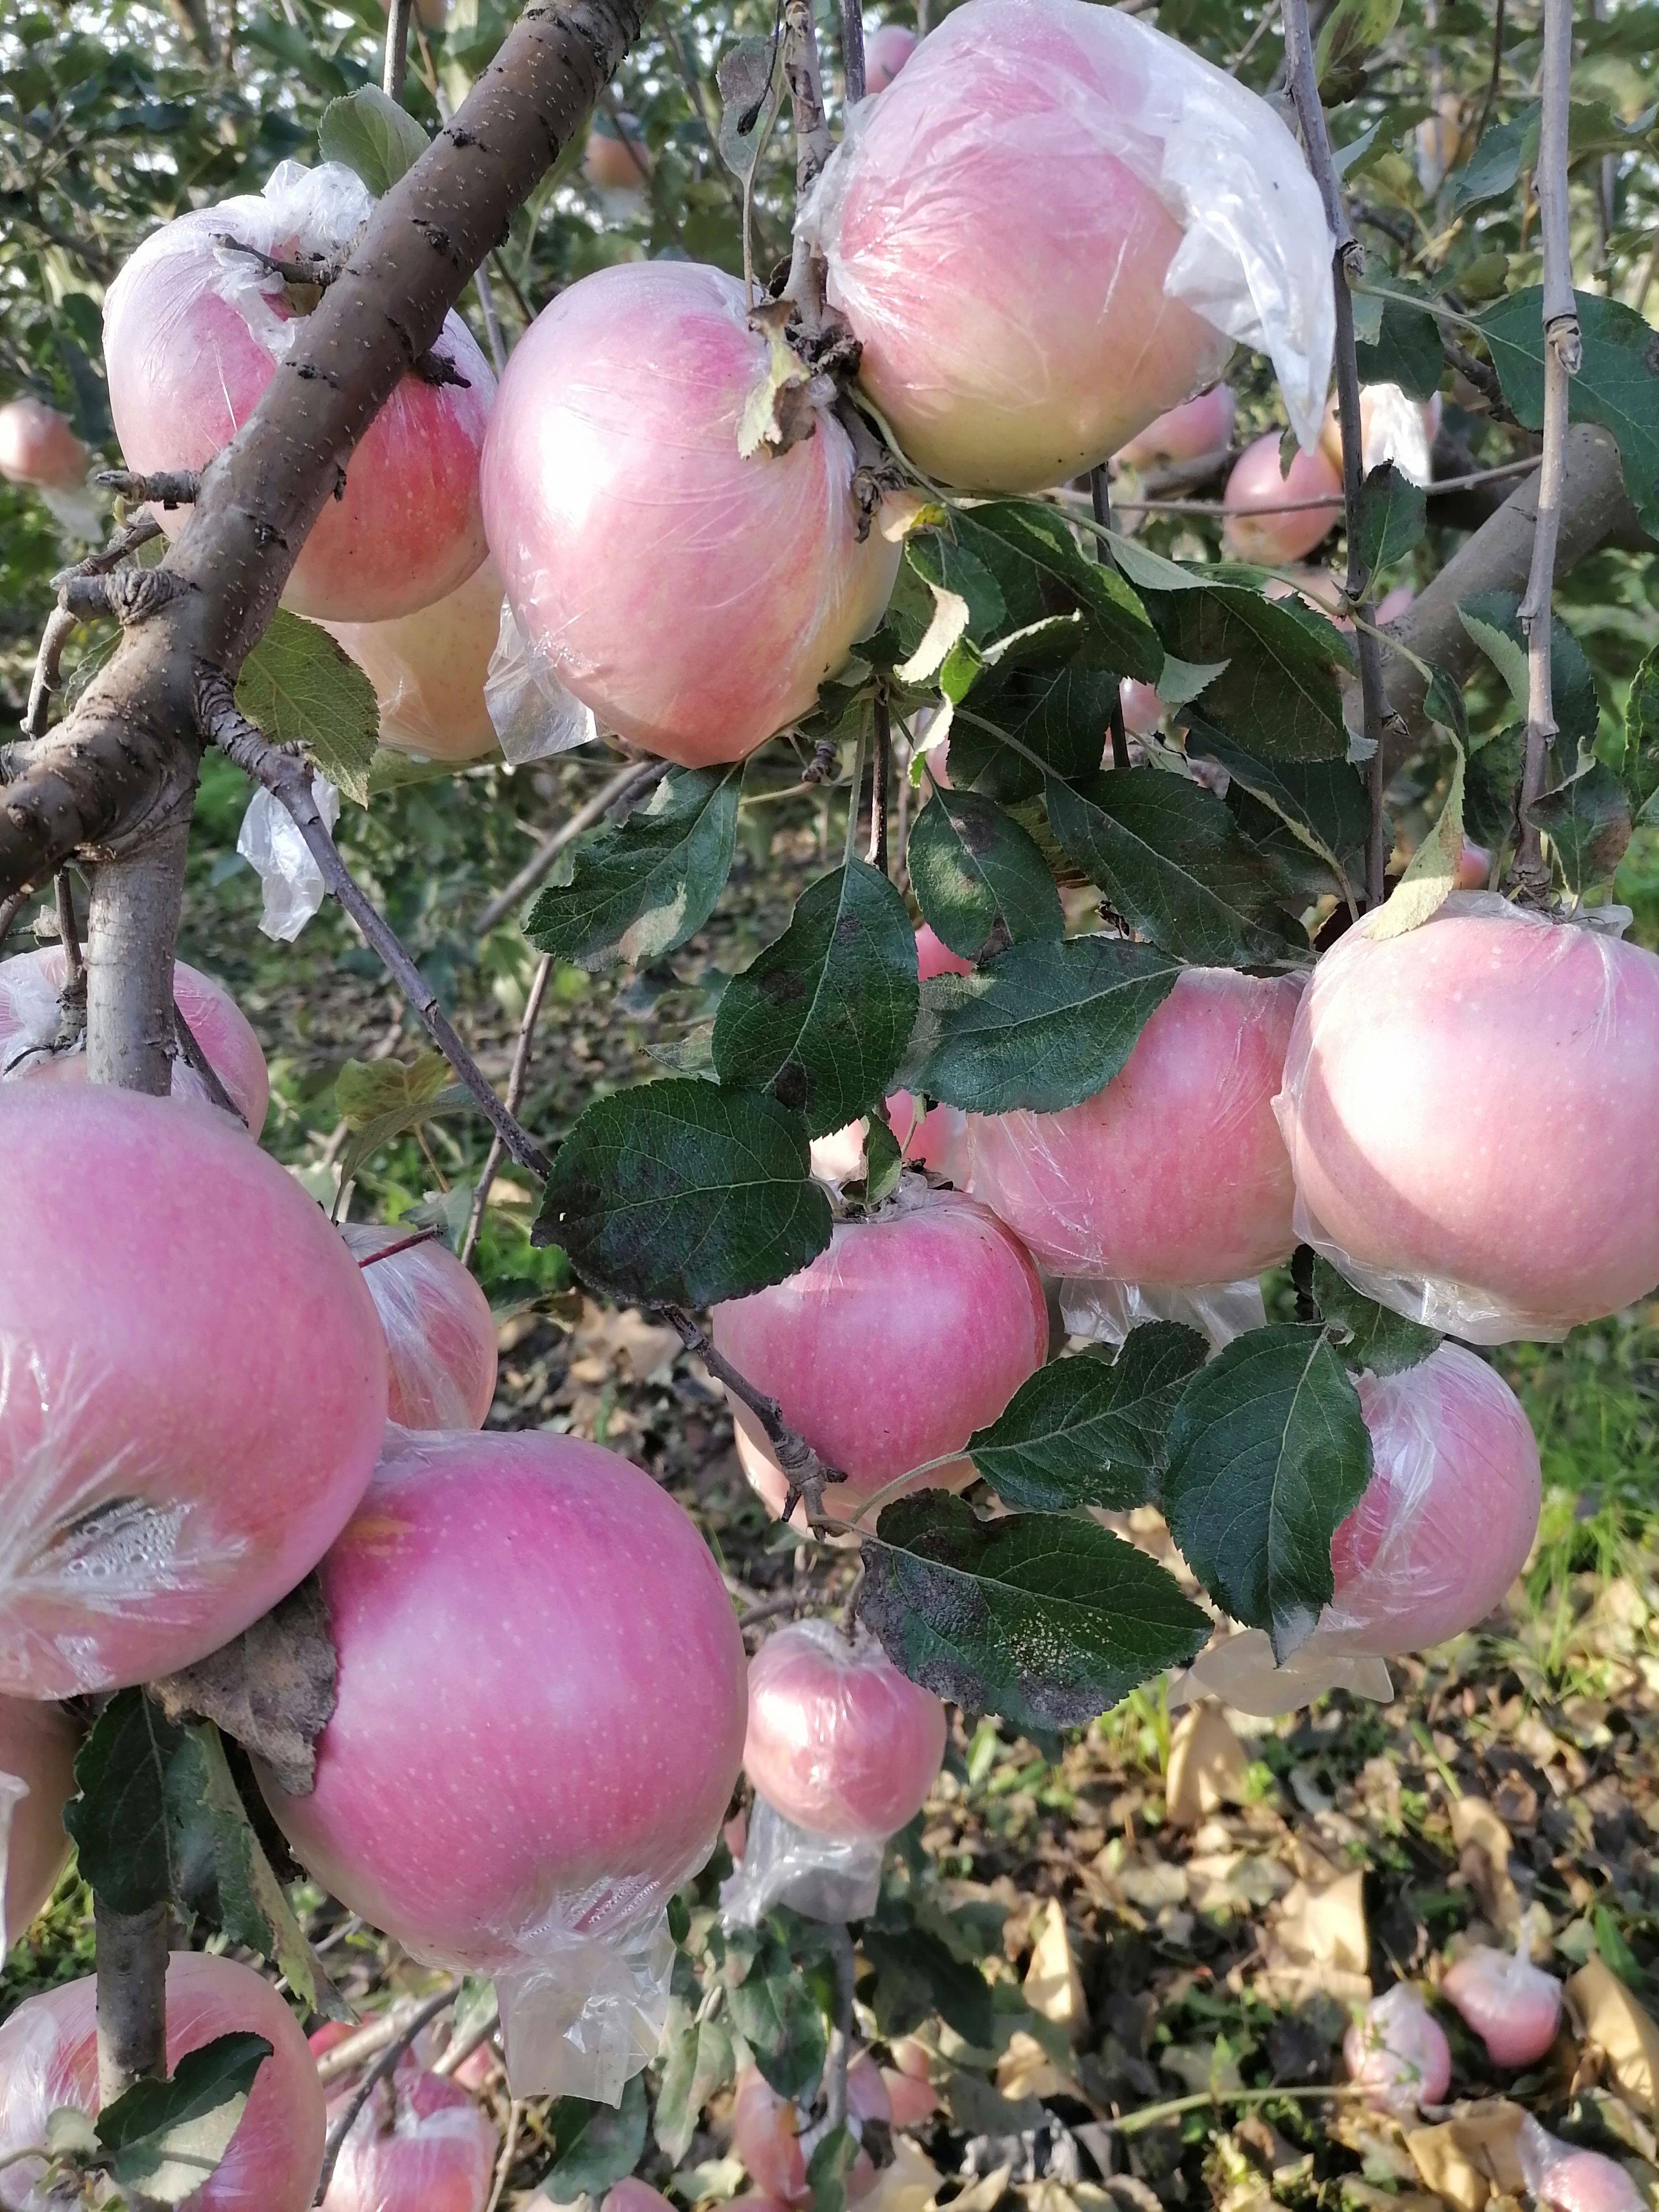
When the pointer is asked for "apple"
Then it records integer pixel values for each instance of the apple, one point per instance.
(1473, 863)
(1451, 1450)
(37, 1780)
(1200, 429)
(1174, 1173)
(609, 160)
(49, 2058)
(1465, 1109)
(439, 1332)
(936, 1310)
(1258, 526)
(1392, 427)
(1398, 2053)
(428, 670)
(633, 2194)
(539, 1721)
(37, 447)
(613, 454)
(1514, 2007)
(1143, 710)
(29, 986)
(420, 2144)
(1021, 231)
(1585, 2181)
(840, 1743)
(766, 2136)
(886, 50)
(194, 332)
(193, 1386)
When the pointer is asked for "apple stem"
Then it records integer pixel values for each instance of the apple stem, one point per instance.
(60, 623)
(852, 53)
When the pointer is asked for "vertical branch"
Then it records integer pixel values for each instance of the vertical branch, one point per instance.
(69, 930)
(1100, 498)
(133, 1998)
(395, 71)
(1347, 263)
(132, 923)
(884, 754)
(1561, 359)
(516, 1081)
(852, 49)
(812, 150)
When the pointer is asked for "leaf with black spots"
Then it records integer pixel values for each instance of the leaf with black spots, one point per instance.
(972, 867)
(639, 888)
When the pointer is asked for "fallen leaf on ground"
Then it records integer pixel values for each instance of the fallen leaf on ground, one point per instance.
(1608, 2015)
(1053, 1985)
(1208, 1766)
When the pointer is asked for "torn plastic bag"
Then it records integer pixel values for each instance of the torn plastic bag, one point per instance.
(270, 842)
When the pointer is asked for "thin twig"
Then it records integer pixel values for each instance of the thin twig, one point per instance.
(1490, 100)
(509, 2152)
(1561, 360)
(851, 49)
(395, 69)
(879, 779)
(803, 1470)
(628, 783)
(1249, 46)
(69, 929)
(61, 623)
(516, 1082)
(165, 487)
(10, 909)
(1331, 499)
(385, 2065)
(1100, 499)
(194, 1058)
(1151, 2116)
(1347, 263)
(769, 1608)
(289, 779)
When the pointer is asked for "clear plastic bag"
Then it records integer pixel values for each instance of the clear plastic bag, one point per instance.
(429, 669)
(37, 1780)
(420, 2144)
(270, 842)
(1567, 2179)
(1397, 2052)
(1466, 1111)
(532, 714)
(1513, 2006)
(440, 1331)
(1179, 217)
(1104, 1312)
(824, 1877)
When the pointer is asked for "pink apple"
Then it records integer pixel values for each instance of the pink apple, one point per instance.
(932, 1303)
(1466, 1111)
(609, 160)
(193, 1386)
(839, 1741)
(1473, 863)
(1198, 430)
(1514, 2007)
(886, 50)
(428, 670)
(541, 1709)
(37, 1780)
(192, 335)
(766, 2136)
(37, 447)
(1398, 2053)
(1268, 520)
(439, 1332)
(1451, 1450)
(1143, 710)
(911, 2096)
(1585, 2181)
(620, 509)
(419, 2145)
(634, 2195)
(49, 2058)
(30, 984)
(1174, 1173)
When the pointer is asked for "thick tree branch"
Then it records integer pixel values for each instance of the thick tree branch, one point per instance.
(132, 2022)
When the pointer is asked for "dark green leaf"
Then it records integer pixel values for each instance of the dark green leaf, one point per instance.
(1393, 515)
(1089, 1430)
(697, 2063)
(301, 689)
(821, 1019)
(370, 133)
(1383, 1342)
(677, 1193)
(1268, 1453)
(1505, 150)
(883, 1162)
(828, 2168)
(1642, 737)
(596, 2146)
(1492, 787)
(1407, 352)
(970, 866)
(1349, 34)
(163, 2139)
(917, 1975)
(1042, 1025)
(1278, 697)
(380, 1100)
(945, 560)
(1617, 384)
(1587, 819)
(1493, 619)
(640, 887)
(1169, 858)
(1041, 1618)
(120, 1821)
(774, 2011)
(1042, 704)
(1041, 540)
(1326, 798)
(746, 76)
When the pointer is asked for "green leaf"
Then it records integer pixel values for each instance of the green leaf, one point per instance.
(821, 1017)
(680, 1193)
(301, 689)
(918, 1975)
(163, 2139)
(380, 1100)
(596, 2146)
(1040, 540)
(1041, 698)
(1278, 697)
(773, 2009)
(1493, 619)
(1641, 766)
(1617, 384)
(1372, 1338)
(947, 562)
(1491, 170)
(1167, 856)
(1431, 873)
(1326, 800)
(1268, 1454)
(1089, 1430)
(697, 2063)
(370, 133)
(1349, 34)
(746, 77)
(1405, 351)
(972, 867)
(639, 887)
(1492, 787)
(123, 1834)
(1044, 1619)
(884, 1164)
(1393, 516)
(828, 2168)
(1587, 819)
(1042, 1025)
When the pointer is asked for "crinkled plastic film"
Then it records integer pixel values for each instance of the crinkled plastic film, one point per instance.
(419, 2140)
(438, 1328)
(290, 880)
(1459, 1306)
(1397, 2051)
(1059, 99)
(1514, 2006)
(1105, 1312)
(12, 1792)
(532, 714)
(1396, 430)
(821, 1877)
(585, 2009)
(29, 1015)
(1562, 2175)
